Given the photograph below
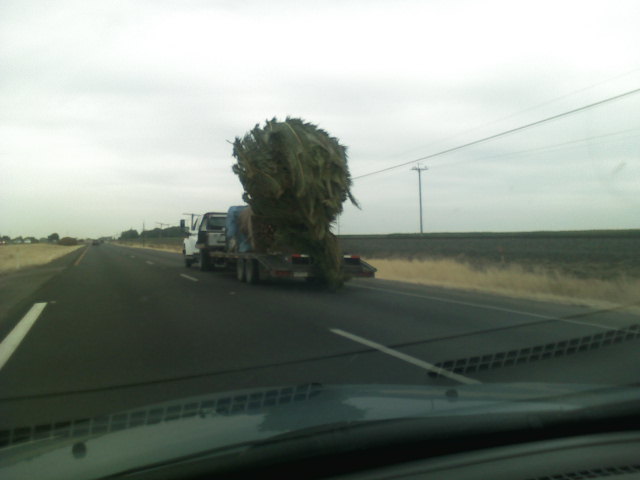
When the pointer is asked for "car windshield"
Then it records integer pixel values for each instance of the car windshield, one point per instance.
(417, 201)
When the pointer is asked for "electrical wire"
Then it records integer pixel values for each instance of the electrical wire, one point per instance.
(534, 107)
(504, 133)
(546, 148)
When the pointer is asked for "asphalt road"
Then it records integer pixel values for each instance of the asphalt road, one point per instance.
(122, 327)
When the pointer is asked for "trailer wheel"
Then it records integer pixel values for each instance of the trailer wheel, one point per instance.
(187, 262)
(205, 263)
(252, 271)
(241, 271)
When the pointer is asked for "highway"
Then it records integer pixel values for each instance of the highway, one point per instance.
(115, 328)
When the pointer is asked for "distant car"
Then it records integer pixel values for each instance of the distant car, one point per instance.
(95, 242)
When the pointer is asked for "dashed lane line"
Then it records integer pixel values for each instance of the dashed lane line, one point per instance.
(12, 341)
(77, 262)
(149, 262)
(193, 279)
(406, 358)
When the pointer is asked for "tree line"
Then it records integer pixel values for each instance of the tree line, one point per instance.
(53, 238)
(169, 232)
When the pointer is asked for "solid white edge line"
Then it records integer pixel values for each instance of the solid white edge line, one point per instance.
(12, 341)
(407, 358)
(490, 307)
(193, 279)
(458, 302)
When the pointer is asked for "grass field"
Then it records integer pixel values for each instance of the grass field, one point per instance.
(598, 268)
(515, 281)
(606, 255)
(165, 245)
(16, 257)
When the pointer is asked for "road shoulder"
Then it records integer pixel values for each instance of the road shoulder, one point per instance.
(17, 288)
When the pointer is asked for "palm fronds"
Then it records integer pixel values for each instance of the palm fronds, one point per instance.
(296, 178)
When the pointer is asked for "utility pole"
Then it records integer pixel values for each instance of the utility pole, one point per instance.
(420, 169)
(142, 235)
(162, 225)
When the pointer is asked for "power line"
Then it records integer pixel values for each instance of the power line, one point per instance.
(506, 132)
(531, 108)
(546, 148)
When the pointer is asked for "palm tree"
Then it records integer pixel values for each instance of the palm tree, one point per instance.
(296, 179)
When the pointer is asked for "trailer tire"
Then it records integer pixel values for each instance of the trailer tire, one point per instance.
(241, 271)
(252, 271)
(205, 262)
(188, 262)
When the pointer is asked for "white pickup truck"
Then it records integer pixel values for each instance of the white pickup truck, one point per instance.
(206, 234)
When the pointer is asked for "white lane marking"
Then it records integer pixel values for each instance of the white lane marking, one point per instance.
(193, 279)
(407, 358)
(149, 262)
(132, 256)
(489, 307)
(11, 341)
(77, 262)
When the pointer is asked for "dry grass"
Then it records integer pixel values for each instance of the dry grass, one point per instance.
(15, 257)
(164, 247)
(513, 280)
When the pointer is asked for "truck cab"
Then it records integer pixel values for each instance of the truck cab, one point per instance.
(205, 234)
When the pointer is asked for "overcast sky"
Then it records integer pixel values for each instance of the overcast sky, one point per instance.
(113, 113)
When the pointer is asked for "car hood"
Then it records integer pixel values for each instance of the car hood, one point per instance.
(231, 422)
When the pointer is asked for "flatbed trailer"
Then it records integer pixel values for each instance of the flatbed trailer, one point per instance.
(252, 267)
(207, 245)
